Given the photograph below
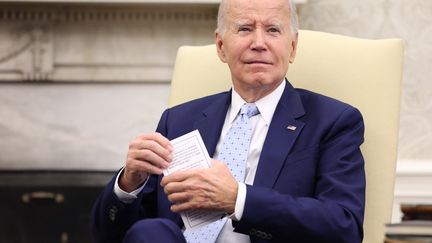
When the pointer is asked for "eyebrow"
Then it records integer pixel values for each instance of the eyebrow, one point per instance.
(278, 25)
(239, 23)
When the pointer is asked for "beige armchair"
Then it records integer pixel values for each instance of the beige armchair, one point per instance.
(364, 73)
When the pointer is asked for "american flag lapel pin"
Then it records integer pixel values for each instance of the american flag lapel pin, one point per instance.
(291, 127)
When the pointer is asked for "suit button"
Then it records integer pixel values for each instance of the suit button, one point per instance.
(269, 236)
(260, 234)
(112, 213)
(253, 232)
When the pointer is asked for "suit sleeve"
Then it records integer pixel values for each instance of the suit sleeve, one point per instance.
(111, 218)
(334, 213)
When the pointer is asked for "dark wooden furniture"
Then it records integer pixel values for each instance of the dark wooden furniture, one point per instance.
(48, 206)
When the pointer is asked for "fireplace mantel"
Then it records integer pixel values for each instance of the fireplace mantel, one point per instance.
(99, 41)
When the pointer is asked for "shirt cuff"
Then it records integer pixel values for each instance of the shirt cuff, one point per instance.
(126, 197)
(240, 202)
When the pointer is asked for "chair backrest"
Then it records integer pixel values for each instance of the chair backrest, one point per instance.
(364, 73)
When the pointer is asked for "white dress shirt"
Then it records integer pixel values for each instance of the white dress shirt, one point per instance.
(260, 124)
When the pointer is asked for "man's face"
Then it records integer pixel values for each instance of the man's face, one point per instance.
(257, 44)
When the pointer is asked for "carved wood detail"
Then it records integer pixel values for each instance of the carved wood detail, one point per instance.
(102, 43)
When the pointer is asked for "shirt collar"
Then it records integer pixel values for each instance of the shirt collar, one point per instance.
(266, 105)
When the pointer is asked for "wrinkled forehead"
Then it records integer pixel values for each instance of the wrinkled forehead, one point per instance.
(253, 11)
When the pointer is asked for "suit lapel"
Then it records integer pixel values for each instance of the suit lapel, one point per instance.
(210, 126)
(279, 140)
(281, 136)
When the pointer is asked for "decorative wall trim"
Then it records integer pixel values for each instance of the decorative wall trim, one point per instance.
(413, 184)
(414, 179)
(28, 55)
(98, 43)
(102, 14)
(414, 167)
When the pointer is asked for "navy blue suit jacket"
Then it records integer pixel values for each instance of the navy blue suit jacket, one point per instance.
(309, 185)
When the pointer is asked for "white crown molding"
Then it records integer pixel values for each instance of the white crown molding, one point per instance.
(414, 179)
(91, 13)
(414, 167)
(412, 185)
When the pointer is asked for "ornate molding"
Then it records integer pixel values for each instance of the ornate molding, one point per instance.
(100, 41)
(19, 45)
(28, 56)
(103, 43)
(91, 13)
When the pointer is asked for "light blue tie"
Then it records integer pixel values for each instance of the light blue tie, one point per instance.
(233, 152)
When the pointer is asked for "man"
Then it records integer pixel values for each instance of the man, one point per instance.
(304, 173)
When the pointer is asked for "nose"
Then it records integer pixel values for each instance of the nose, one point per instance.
(258, 41)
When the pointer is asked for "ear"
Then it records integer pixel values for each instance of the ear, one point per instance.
(294, 48)
(220, 46)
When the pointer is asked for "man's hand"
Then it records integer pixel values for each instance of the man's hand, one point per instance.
(213, 189)
(148, 154)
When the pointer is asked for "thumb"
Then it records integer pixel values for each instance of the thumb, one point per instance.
(215, 162)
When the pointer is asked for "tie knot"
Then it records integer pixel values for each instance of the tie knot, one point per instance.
(249, 109)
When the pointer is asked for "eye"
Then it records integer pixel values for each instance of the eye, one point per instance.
(244, 29)
(273, 30)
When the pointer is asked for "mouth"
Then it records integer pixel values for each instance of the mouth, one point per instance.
(258, 62)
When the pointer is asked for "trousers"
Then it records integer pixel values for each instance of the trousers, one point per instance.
(154, 230)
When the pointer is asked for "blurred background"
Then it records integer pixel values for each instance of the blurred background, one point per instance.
(80, 79)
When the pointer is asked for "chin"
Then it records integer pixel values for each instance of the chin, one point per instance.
(264, 80)
(258, 79)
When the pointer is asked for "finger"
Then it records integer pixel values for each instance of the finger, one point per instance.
(139, 165)
(148, 156)
(177, 176)
(179, 197)
(216, 163)
(179, 207)
(159, 138)
(182, 186)
(153, 146)
(187, 191)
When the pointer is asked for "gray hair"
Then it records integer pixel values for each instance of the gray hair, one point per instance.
(221, 27)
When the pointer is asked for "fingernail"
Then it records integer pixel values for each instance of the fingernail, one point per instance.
(163, 166)
(159, 172)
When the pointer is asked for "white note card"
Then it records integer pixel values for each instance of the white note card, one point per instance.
(191, 153)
